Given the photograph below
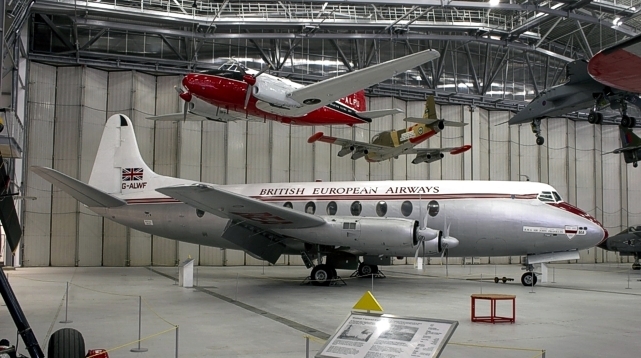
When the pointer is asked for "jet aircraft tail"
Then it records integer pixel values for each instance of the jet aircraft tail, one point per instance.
(628, 138)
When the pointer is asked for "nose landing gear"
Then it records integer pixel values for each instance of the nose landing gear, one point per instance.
(536, 129)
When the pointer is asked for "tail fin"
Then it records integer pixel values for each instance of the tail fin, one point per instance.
(356, 100)
(628, 138)
(430, 108)
(119, 167)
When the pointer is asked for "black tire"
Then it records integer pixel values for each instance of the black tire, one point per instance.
(599, 118)
(592, 117)
(322, 275)
(496, 280)
(504, 279)
(635, 164)
(633, 122)
(636, 267)
(529, 279)
(625, 121)
(540, 140)
(66, 343)
(367, 270)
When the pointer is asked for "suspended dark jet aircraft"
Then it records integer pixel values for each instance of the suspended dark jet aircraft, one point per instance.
(627, 242)
(580, 91)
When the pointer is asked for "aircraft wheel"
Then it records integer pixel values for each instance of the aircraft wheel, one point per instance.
(599, 118)
(66, 343)
(625, 121)
(496, 280)
(592, 117)
(540, 140)
(636, 266)
(635, 164)
(633, 122)
(322, 275)
(528, 279)
(367, 270)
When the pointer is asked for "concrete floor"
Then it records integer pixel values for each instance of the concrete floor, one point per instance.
(242, 312)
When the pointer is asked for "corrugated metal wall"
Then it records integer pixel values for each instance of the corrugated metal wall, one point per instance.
(69, 105)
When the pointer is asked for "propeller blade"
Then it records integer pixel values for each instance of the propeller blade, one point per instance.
(185, 109)
(178, 89)
(263, 70)
(248, 95)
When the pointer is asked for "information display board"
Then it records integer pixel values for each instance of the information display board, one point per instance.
(368, 335)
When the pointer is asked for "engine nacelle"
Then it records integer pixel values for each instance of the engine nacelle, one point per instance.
(359, 152)
(273, 91)
(372, 235)
(345, 151)
(428, 158)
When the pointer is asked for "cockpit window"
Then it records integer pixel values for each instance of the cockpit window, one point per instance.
(546, 196)
(550, 197)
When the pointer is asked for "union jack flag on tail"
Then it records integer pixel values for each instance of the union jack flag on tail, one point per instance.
(132, 174)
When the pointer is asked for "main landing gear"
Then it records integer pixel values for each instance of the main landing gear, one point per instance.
(536, 129)
(626, 121)
(636, 265)
(322, 275)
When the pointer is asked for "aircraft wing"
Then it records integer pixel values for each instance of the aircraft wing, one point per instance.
(320, 137)
(452, 150)
(240, 208)
(624, 149)
(617, 66)
(428, 121)
(319, 94)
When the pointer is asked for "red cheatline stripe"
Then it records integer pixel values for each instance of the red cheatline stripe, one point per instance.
(394, 197)
(355, 197)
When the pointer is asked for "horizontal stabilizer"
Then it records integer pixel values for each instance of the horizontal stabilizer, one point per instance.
(178, 117)
(380, 113)
(82, 192)
(226, 204)
(428, 121)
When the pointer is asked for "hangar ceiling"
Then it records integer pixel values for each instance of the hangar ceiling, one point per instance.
(491, 56)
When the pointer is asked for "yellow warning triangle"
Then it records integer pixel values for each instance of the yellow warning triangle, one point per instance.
(368, 303)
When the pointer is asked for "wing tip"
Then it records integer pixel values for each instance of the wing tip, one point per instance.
(315, 137)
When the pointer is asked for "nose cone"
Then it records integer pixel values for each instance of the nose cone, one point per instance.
(190, 81)
(592, 234)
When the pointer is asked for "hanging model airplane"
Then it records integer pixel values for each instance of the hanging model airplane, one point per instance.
(234, 92)
(391, 144)
(627, 242)
(631, 146)
(337, 221)
(580, 91)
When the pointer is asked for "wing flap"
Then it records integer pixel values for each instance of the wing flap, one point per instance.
(319, 94)
(82, 192)
(241, 208)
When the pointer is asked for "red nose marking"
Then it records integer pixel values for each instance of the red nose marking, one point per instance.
(251, 80)
(186, 96)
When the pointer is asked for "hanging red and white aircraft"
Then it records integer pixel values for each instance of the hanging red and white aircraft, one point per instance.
(618, 66)
(337, 221)
(234, 92)
(391, 144)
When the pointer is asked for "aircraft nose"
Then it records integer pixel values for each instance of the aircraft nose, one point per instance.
(595, 232)
(189, 81)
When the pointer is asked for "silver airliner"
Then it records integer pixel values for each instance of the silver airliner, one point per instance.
(333, 225)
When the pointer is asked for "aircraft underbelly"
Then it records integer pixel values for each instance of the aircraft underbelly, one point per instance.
(173, 221)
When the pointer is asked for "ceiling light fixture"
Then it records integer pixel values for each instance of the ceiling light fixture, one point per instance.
(494, 2)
